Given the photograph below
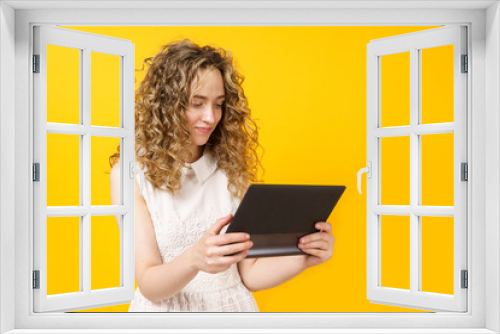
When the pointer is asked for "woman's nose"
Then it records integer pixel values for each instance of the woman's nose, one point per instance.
(208, 115)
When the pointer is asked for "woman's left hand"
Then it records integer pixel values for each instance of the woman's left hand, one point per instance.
(318, 246)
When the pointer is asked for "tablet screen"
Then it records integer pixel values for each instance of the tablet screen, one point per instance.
(276, 216)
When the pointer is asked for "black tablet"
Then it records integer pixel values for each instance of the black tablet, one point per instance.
(277, 216)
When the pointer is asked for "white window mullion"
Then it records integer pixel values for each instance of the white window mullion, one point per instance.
(82, 227)
(82, 258)
(85, 246)
(122, 183)
(405, 210)
(414, 170)
(103, 210)
(128, 155)
(378, 254)
(399, 210)
(75, 129)
(460, 155)
(394, 131)
(434, 211)
(419, 252)
(432, 129)
(85, 164)
(422, 129)
(85, 272)
(372, 184)
(40, 156)
(419, 130)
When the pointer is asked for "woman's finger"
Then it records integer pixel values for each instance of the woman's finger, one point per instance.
(320, 244)
(228, 238)
(316, 252)
(233, 248)
(324, 227)
(216, 228)
(315, 237)
(231, 259)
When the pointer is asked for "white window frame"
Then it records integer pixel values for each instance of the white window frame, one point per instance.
(483, 145)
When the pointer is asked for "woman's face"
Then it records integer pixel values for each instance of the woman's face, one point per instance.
(205, 110)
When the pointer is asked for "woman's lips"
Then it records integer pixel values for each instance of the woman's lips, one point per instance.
(204, 130)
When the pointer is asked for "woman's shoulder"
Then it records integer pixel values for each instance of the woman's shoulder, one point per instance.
(115, 170)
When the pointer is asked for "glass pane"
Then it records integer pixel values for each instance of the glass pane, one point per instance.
(437, 169)
(437, 84)
(101, 149)
(395, 89)
(63, 85)
(63, 170)
(105, 89)
(63, 255)
(105, 250)
(395, 251)
(437, 254)
(395, 170)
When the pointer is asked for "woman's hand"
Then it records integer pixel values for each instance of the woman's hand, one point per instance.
(216, 252)
(319, 245)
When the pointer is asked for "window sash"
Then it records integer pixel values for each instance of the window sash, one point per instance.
(413, 43)
(85, 43)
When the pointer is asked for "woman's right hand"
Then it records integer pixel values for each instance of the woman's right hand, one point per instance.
(216, 252)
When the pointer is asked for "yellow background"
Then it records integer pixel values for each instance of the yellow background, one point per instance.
(307, 90)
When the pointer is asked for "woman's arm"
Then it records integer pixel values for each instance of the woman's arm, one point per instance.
(158, 280)
(155, 279)
(264, 273)
(268, 272)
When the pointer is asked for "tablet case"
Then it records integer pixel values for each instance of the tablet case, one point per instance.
(277, 216)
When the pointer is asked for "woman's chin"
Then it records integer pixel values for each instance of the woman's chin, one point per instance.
(200, 141)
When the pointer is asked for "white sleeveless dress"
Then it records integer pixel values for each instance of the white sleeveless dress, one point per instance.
(179, 222)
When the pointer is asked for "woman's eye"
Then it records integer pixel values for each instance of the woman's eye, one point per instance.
(219, 105)
(196, 104)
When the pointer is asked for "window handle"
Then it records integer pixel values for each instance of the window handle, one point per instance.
(368, 171)
(133, 170)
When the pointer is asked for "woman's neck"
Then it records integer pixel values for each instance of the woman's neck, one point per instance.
(196, 153)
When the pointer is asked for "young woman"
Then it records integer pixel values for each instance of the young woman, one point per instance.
(196, 143)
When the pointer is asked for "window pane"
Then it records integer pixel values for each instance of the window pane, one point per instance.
(63, 255)
(63, 170)
(395, 170)
(105, 250)
(101, 149)
(437, 169)
(63, 85)
(105, 89)
(437, 254)
(395, 89)
(437, 84)
(395, 251)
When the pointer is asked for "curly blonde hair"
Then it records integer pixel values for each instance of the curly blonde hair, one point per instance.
(161, 133)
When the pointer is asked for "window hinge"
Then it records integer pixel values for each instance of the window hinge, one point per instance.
(465, 64)
(465, 279)
(36, 63)
(36, 172)
(36, 279)
(464, 172)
